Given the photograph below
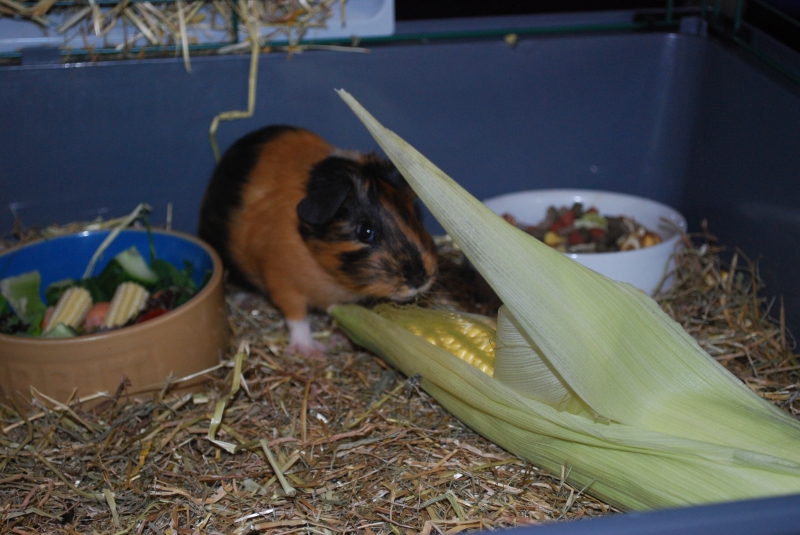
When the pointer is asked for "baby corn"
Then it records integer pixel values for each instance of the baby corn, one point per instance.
(71, 308)
(129, 299)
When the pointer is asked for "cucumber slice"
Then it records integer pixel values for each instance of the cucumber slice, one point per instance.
(135, 266)
(22, 294)
(60, 331)
(127, 266)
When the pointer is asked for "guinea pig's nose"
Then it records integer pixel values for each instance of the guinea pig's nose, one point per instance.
(415, 274)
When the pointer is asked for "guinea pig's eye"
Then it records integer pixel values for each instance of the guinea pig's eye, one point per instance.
(365, 232)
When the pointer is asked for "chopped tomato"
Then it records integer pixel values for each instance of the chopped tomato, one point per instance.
(575, 238)
(597, 233)
(94, 319)
(152, 313)
(567, 218)
(48, 313)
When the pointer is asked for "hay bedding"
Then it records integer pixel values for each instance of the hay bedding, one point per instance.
(360, 449)
(137, 29)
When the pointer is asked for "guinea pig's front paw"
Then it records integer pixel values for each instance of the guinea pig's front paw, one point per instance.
(316, 350)
(302, 343)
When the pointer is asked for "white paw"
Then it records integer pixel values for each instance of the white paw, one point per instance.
(301, 342)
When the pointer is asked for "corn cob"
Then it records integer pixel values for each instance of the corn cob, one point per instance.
(469, 337)
(72, 307)
(590, 373)
(129, 299)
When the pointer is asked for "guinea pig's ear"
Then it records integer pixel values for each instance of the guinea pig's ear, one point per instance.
(396, 179)
(327, 188)
(383, 169)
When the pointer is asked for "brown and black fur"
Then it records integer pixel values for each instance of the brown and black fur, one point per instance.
(311, 225)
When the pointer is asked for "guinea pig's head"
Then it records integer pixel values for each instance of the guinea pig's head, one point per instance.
(361, 221)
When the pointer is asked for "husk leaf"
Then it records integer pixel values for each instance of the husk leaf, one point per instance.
(612, 357)
(631, 468)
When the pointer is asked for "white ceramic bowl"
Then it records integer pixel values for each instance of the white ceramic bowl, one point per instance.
(643, 268)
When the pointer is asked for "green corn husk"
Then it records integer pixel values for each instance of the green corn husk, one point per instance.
(589, 373)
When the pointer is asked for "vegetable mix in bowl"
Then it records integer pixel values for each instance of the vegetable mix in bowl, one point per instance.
(127, 291)
(578, 230)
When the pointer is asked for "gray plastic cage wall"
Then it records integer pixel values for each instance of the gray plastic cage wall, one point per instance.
(669, 110)
(695, 110)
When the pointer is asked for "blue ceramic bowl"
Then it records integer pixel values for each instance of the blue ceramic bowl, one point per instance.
(67, 256)
(176, 345)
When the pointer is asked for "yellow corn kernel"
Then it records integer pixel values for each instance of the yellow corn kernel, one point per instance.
(469, 337)
(650, 239)
(72, 307)
(552, 239)
(129, 299)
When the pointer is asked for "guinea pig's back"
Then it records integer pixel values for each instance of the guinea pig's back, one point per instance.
(223, 195)
(249, 209)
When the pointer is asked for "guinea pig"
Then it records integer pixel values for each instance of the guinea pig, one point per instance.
(311, 225)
